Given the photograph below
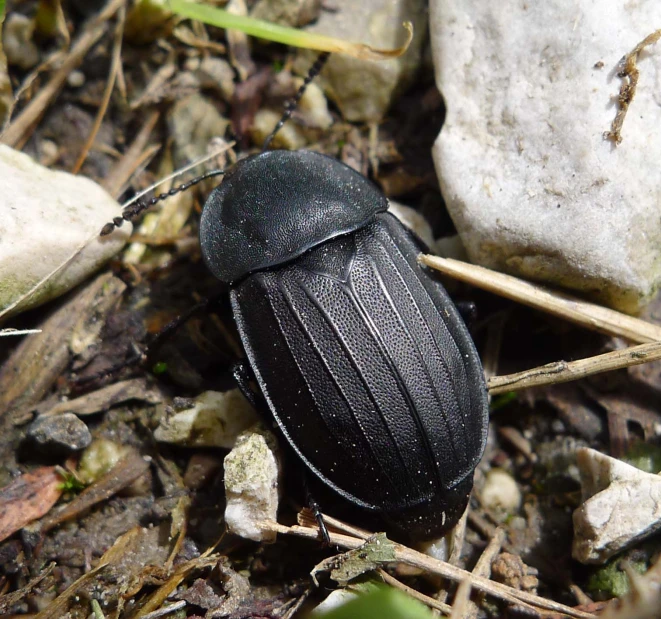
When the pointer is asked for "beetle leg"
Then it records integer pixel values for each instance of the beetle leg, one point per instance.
(313, 506)
(243, 376)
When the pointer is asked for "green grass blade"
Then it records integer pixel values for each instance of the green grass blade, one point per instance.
(281, 34)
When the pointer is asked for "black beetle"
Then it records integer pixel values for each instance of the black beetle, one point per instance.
(362, 357)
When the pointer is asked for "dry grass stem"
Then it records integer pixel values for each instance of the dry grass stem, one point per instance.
(115, 66)
(565, 371)
(416, 559)
(126, 166)
(18, 132)
(589, 315)
(421, 597)
(461, 603)
(483, 568)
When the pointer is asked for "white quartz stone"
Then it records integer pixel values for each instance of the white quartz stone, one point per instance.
(532, 185)
(45, 216)
(251, 485)
(621, 505)
(500, 492)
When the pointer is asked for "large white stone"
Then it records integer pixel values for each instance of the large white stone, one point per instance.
(621, 505)
(45, 216)
(531, 183)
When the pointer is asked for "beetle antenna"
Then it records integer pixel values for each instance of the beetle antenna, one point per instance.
(290, 106)
(133, 211)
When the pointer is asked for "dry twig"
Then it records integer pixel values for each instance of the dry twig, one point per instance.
(20, 130)
(589, 315)
(565, 371)
(421, 597)
(629, 75)
(115, 66)
(416, 559)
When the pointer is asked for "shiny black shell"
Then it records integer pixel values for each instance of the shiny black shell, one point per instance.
(275, 206)
(365, 363)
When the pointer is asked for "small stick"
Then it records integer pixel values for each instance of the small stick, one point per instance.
(565, 371)
(123, 169)
(483, 568)
(20, 130)
(589, 315)
(461, 602)
(408, 556)
(629, 75)
(115, 65)
(421, 597)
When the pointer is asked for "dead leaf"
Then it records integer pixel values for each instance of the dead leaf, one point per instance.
(28, 498)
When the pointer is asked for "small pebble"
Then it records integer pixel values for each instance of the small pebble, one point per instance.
(290, 137)
(99, 458)
(76, 79)
(500, 492)
(513, 572)
(212, 419)
(293, 13)
(413, 220)
(336, 599)
(60, 433)
(251, 485)
(49, 152)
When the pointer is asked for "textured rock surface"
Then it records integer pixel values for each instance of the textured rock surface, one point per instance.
(45, 217)
(531, 183)
(621, 505)
(59, 433)
(364, 90)
(251, 485)
(214, 420)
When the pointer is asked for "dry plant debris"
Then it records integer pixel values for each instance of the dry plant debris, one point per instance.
(28, 498)
(629, 75)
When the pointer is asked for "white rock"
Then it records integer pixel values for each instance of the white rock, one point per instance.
(413, 220)
(438, 548)
(362, 89)
(500, 492)
(532, 185)
(251, 485)
(450, 247)
(621, 505)
(313, 107)
(290, 137)
(45, 216)
(215, 420)
(336, 599)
